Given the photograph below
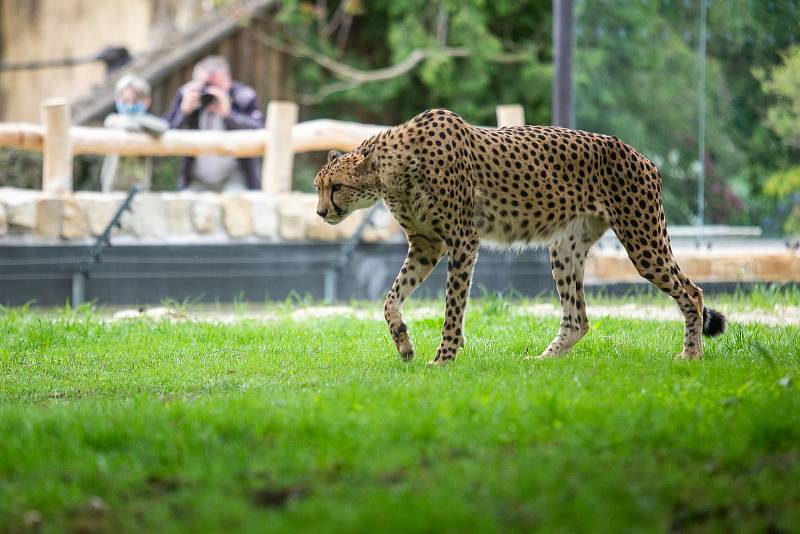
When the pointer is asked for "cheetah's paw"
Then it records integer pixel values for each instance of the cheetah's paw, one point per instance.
(406, 350)
(546, 355)
(407, 355)
(686, 355)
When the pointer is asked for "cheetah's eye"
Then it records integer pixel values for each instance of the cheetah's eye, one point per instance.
(336, 187)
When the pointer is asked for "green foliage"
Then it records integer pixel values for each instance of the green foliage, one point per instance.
(637, 78)
(165, 173)
(784, 183)
(20, 168)
(385, 33)
(783, 85)
(315, 425)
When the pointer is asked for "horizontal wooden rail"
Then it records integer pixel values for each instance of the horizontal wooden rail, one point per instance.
(22, 135)
(238, 143)
(277, 143)
(327, 134)
(322, 134)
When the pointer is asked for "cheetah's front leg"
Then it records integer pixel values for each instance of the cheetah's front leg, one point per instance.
(423, 255)
(568, 257)
(460, 264)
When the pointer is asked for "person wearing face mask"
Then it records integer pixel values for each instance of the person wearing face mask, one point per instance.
(213, 101)
(132, 100)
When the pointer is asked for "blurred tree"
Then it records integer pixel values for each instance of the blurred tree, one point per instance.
(783, 84)
(637, 77)
(468, 56)
(747, 36)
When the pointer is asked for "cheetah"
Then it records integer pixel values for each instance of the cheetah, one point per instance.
(452, 186)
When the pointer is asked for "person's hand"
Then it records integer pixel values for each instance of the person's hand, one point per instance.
(222, 101)
(116, 121)
(191, 99)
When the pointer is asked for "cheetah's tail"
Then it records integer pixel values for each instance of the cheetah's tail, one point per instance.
(713, 322)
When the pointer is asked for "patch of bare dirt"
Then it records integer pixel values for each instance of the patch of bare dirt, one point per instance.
(778, 316)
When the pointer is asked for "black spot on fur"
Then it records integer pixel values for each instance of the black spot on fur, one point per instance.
(713, 322)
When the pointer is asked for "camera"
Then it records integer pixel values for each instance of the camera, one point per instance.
(206, 98)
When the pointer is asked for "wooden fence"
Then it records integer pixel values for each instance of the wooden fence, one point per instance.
(277, 143)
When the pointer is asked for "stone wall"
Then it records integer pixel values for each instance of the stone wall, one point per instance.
(28, 216)
(31, 216)
(754, 263)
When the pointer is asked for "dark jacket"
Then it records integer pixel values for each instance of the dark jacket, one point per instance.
(245, 114)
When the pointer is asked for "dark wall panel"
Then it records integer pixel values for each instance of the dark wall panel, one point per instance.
(253, 272)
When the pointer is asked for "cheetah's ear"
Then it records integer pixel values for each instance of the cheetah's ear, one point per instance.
(369, 162)
(333, 154)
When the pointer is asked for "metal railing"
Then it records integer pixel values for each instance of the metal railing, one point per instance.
(700, 237)
(331, 276)
(103, 242)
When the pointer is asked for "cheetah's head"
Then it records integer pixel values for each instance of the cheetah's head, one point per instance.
(345, 183)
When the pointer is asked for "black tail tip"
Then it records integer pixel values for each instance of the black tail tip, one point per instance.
(713, 322)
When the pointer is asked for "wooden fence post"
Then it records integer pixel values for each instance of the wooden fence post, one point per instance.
(510, 115)
(57, 149)
(276, 175)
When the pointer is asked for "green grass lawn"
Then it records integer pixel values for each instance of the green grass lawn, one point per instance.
(316, 424)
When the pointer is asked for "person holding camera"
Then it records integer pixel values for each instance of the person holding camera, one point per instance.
(213, 101)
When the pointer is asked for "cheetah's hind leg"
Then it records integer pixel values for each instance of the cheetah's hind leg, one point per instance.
(568, 257)
(657, 264)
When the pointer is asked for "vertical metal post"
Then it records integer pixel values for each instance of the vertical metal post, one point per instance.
(104, 240)
(701, 122)
(331, 274)
(563, 29)
(78, 289)
(331, 281)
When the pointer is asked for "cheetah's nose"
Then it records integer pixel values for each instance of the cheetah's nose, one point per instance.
(322, 213)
